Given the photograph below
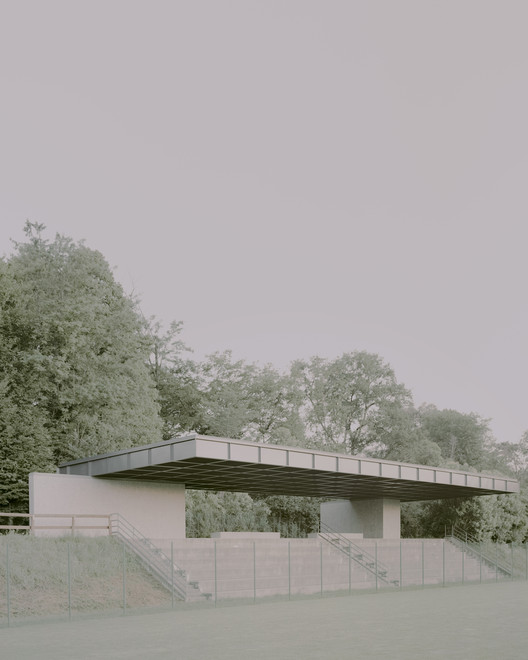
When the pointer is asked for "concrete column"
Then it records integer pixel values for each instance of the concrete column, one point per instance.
(375, 519)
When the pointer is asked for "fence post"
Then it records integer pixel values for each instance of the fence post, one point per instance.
(289, 571)
(349, 569)
(215, 582)
(124, 579)
(172, 574)
(423, 565)
(69, 581)
(496, 562)
(480, 561)
(526, 553)
(511, 553)
(443, 564)
(463, 563)
(376, 562)
(8, 585)
(401, 567)
(321, 555)
(254, 572)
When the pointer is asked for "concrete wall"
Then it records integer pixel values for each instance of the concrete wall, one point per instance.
(245, 568)
(375, 519)
(157, 510)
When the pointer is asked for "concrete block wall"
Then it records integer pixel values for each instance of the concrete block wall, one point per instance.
(245, 569)
(432, 561)
(248, 569)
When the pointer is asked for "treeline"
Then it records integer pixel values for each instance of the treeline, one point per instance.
(82, 373)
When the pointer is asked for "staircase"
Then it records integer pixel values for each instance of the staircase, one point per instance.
(364, 559)
(473, 548)
(172, 577)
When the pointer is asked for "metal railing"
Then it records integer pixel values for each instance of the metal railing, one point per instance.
(364, 559)
(471, 545)
(33, 518)
(171, 576)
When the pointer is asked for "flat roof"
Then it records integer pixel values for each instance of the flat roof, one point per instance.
(209, 463)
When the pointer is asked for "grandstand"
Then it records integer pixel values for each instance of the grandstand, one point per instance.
(141, 492)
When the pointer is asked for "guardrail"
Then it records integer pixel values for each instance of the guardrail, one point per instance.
(364, 559)
(162, 567)
(171, 576)
(470, 544)
(75, 519)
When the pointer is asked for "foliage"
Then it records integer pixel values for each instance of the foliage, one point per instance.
(73, 374)
(176, 379)
(293, 516)
(208, 512)
(25, 440)
(411, 526)
(351, 403)
(245, 400)
(500, 518)
(226, 395)
(81, 372)
(409, 441)
(513, 457)
(461, 438)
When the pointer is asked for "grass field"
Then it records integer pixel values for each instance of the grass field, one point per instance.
(479, 622)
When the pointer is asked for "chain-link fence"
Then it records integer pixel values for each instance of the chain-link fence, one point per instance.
(74, 577)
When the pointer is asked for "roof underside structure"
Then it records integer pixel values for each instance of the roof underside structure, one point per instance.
(209, 463)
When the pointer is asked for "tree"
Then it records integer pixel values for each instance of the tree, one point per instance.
(84, 344)
(461, 438)
(208, 512)
(293, 516)
(176, 379)
(408, 441)
(496, 517)
(245, 400)
(514, 457)
(351, 402)
(274, 409)
(225, 390)
(25, 441)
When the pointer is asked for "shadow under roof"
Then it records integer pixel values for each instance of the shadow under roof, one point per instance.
(210, 463)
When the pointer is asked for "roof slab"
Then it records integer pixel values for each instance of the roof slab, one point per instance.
(210, 463)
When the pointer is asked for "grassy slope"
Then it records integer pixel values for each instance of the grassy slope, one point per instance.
(38, 569)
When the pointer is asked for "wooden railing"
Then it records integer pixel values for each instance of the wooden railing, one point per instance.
(54, 520)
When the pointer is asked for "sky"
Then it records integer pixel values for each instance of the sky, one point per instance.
(290, 178)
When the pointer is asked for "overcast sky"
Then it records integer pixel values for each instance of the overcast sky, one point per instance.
(290, 178)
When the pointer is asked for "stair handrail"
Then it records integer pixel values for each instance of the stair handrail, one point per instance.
(379, 568)
(472, 544)
(154, 557)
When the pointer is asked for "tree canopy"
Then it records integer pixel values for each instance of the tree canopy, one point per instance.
(351, 403)
(73, 360)
(82, 372)
(461, 438)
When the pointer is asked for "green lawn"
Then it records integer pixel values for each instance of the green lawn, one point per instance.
(467, 622)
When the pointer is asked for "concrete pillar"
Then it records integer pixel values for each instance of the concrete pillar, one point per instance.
(375, 519)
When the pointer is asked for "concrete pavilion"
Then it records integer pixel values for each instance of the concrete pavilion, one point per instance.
(147, 484)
